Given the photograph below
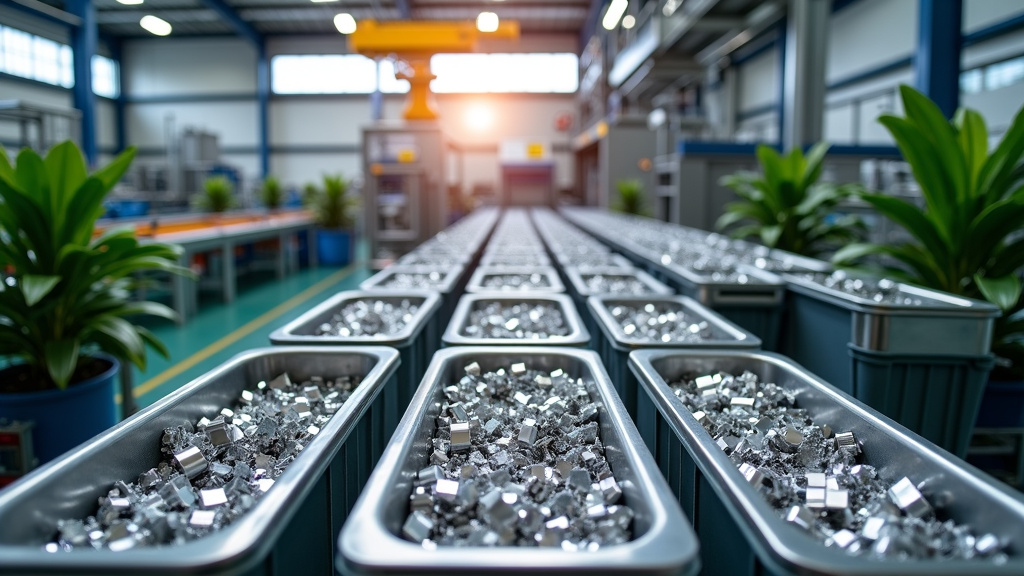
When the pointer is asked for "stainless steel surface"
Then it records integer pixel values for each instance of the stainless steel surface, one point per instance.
(511, 259)
(761, 288)
(960, 491)
(481, 273)
(725, 333)
(370, 543)
(941, 324)
(302, 330)
(69, 486)
(587, 261)
(449, 277)
(578, 334)
(578, 279)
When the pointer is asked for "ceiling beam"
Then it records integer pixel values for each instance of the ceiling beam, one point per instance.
(240, 26)
(37, 8)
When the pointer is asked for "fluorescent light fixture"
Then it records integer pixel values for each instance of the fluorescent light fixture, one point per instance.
(615, 11)
(322, 1)
(155, 25)
(487, 22)
(130, 2)
(345, 23)
(628, 21)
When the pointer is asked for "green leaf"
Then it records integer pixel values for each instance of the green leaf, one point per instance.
(997, 175)
(1004, 292)
(60, 358)
(990, 229)
(123, 332)
(146, 308)
(771, 164)
(67, 171)
(111, 174)
(87, 206)
(770, 235)
(931, 121)
(37, 287)
(912, 219)
(973, 137)
(33, 180)
(814, 164)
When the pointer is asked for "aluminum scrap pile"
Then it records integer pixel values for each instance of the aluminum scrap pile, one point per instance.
(815, 478)
(615, 284)
(415, 280)
(522, 320)
(369, 317)
(212, 472)
(517, 461)
(515, 281)
(437, 259)
(512, 259)
(665, 322)
(883, 291)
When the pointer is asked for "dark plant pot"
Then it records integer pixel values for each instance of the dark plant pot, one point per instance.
(1002, 405)
(334, 247)
(65, 418)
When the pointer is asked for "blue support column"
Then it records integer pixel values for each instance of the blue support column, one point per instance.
(937, 62)
(83, 46)
(263, 105)
(121, 128)
(780, 45)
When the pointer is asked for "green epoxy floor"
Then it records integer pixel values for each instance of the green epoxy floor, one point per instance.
(216, 321)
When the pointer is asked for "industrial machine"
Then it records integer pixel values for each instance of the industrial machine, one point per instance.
(405, 161)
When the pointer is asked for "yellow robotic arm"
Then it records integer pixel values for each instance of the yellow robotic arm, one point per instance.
(414, 42)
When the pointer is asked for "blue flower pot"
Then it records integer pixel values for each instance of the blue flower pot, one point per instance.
(334, 247)
(65, 418)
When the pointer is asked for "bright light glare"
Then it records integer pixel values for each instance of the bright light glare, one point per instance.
(615, 11)
(476, 73)
(628, 21)
(130, 2)
(322, 1)
(479, 117)
(155, 25)
(487, 22)
(345, 23)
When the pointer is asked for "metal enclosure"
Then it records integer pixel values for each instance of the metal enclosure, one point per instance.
(404, 197)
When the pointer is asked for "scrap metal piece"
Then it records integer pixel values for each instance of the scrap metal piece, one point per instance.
(461, 437)
(191, 461)
(528, 432)
(907, 497)
(213, 498)
(847, 441)
(417, 527)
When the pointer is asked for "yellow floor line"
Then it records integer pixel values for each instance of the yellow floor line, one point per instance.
(241, 332)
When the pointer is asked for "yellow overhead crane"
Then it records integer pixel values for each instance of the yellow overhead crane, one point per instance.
(413, 43)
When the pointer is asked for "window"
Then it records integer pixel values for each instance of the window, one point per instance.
(992, 76)
(332, 74)
(457, 73)
(37, 58)
(476, 73)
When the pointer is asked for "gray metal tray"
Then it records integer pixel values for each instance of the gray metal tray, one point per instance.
(576, 278)
(450, 276)
(526, 259)
(965, 494)
(726, 334)
(764, 288)
(302, 330)
(69, 486)
(434, 258)
(578, 334)
(942, 324)
(548, 272)
(609, 260)
(663, 543)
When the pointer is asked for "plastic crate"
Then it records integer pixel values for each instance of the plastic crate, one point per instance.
(289, 531)
(742, 535)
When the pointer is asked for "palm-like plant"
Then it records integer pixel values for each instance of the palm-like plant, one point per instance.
(966, 240)
(631, 197)
(333, 207)
(66, 291)
(218, 195)
(272, 193)
(786, 207)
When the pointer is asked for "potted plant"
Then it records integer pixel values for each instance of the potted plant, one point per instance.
(787, 208)
(218, 195)
(631, 197)
(66, 312)
(272, 193)
(967, 239)
(334, 211)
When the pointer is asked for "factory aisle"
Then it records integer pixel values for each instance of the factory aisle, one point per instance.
(220, 331)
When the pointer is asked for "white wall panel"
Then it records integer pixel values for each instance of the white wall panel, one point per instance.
(997, 106)
(870, 33)
(106, 123)
(233, 122)
(759, 81)
(981, 13)
(164, 67)
(295, 170)
(319, 120)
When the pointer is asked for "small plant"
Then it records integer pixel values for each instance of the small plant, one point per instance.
(967, 240)
(787, 208)
(631, 197)
(218, 195)
(67, 291)
(309, 194)
(333, 207)
(272, 193)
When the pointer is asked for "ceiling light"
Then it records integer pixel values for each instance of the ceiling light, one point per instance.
(322, 1)
(345, 23)
(487, 22)
(615, 11)
(628, 21)
(130, 2)
(155, 25)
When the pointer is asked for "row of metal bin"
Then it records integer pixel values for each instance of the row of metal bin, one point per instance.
(919, 356)
(662, 543)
